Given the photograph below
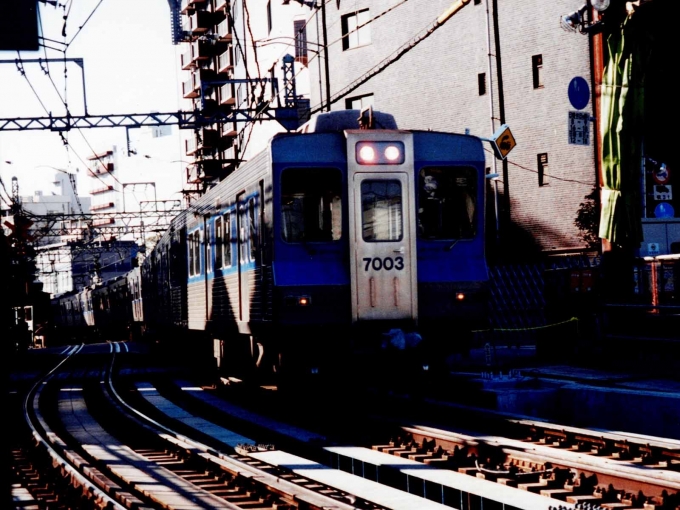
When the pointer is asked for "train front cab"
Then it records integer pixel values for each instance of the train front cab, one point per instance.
(453, 274)
(382, 225)
(309, 254)
(341, 272)
(397, 256)
(417, 235)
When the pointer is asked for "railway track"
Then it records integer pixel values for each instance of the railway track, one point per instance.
(90, 449)
(131, 446)
(580, 472)
(566, 464)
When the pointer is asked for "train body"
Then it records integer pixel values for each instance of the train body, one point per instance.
(111, 310)
(326, 239)
(330, 233)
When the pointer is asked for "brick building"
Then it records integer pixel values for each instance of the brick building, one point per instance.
(476, 71)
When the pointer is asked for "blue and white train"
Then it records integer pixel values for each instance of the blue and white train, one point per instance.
(335, 233)
(307, 253)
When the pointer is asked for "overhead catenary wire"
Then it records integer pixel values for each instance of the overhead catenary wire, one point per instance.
(80, 28)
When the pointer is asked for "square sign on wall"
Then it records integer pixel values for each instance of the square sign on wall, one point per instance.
(579, 128)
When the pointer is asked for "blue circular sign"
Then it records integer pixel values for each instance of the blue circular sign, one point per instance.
(664, 210)
(579, 93)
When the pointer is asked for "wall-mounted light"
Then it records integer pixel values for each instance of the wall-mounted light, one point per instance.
(578, 21)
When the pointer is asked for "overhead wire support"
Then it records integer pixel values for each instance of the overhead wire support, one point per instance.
(185, 120)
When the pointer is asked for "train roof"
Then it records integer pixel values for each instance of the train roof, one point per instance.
(342, 120)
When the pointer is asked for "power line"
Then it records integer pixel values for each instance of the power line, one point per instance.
(80, 28)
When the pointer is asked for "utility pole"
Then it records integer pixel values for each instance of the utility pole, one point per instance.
(325, 54)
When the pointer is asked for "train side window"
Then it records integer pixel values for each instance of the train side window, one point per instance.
(311, 205)
(208, 250)
(381, 210)
(227, 240)
(190, 252)
(243, 234)
(252, 229)
(194, 253)
(447, 203)
(219, 242)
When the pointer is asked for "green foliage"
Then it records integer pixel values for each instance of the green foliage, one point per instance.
(588, 219)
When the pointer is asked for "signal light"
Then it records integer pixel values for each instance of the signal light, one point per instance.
(380, 153)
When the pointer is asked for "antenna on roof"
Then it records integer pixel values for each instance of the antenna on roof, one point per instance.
(365, 119)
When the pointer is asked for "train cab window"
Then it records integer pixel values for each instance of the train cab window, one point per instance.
(381, 210)
(447, 203)
(311, 205)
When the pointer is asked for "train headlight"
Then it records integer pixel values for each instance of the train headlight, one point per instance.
(380, 153)
(392, 153)
(460, 296)
(366, 154)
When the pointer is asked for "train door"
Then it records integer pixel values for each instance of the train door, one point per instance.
(382, 229)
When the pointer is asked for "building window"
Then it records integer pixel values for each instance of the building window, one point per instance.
(300, 30)
(481, 83)
(543, 174)
(356, 30)
(359, 102)
(269, 16)
(239, 95)
(537, 70)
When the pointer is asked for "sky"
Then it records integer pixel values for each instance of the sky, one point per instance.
(130, 66)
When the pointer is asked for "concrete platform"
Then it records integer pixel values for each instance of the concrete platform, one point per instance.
(624, 400)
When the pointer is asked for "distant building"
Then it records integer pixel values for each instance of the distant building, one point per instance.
(236, 58)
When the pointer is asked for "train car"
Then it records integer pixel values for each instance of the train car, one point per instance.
(109, 311)
(335, 234)
(68, 318)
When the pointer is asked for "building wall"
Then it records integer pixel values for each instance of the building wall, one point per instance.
(435, 86)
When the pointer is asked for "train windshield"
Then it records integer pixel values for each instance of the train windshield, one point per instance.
(311, 205)
(447, 201)
(381, 210)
